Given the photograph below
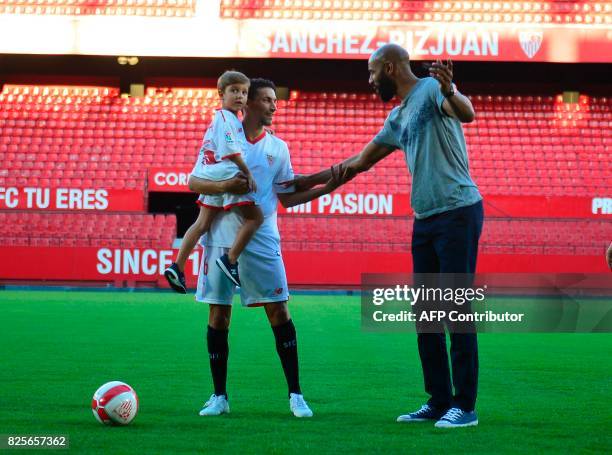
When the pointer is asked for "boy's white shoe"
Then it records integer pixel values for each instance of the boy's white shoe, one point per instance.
(215, 406)
(298, 406)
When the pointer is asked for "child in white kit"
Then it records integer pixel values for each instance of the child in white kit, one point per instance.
(220, 158)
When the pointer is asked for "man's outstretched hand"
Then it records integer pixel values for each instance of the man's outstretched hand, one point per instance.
(307, 182)
(336, 178)
(301, 182)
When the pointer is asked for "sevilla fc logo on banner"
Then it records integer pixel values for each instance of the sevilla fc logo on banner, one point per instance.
(531, 41)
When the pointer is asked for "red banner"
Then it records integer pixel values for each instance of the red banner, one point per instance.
(354, 204)
(507, 37)
(168, 180)
(78, 199)
(495, 206)
(385, 204)
(303, 268)
(91, 264)
(175, 180)
(548, 207)
(482, 42)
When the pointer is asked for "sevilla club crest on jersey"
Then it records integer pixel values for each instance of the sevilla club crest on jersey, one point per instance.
(270, 159)
(208, 157)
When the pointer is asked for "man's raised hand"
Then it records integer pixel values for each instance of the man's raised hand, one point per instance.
(443, 73)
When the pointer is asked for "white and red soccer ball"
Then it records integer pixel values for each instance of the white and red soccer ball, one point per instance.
(115, 403)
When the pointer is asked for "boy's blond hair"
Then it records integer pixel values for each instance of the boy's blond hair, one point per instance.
(229, 78)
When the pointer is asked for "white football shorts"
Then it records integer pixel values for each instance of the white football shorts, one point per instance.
(262, 276)
(226, 201)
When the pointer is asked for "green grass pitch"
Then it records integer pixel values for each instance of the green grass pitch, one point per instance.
(538, 392)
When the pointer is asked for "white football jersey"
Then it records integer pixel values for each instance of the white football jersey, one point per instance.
(268, 159)
(223, 138)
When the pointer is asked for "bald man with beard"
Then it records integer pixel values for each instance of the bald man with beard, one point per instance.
(448, 215)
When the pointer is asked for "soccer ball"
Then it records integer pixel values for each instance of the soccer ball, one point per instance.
(115, 403)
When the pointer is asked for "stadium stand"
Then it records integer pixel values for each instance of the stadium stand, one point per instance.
(92, 137)
(500, 236)
(86, 229)
(154, 8)
(75, 136)
(488, 11)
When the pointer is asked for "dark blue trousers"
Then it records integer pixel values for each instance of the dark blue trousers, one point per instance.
(448, 243)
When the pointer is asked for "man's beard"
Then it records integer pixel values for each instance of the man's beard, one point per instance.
(386, 88)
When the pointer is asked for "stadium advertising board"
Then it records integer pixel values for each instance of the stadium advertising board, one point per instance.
(548, 206)
(207, 34)
(355, 204)
(109, 264)
(89, 199)
(388, 204)
(168, 180)
(495, 206)
(489, 42)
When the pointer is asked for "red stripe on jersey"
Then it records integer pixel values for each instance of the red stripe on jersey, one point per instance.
(201, 204)
(230, 156)
(221, 112)
(112, 393)
(228, 207)
(258, 138)
(209, 157)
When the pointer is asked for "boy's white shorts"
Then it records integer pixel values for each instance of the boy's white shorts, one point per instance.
(262, 276)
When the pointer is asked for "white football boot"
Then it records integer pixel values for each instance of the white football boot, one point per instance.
(216, 405)
(298, 406)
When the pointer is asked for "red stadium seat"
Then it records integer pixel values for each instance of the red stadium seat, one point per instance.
(160, 8)
(499, 236)
(510, 11)
(73, 229)
(522, 149)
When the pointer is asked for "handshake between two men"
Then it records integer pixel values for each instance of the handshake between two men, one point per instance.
(331, 178)
(341, 173)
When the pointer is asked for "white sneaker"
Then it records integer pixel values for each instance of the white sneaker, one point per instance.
(298, 406)
(215, 406)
